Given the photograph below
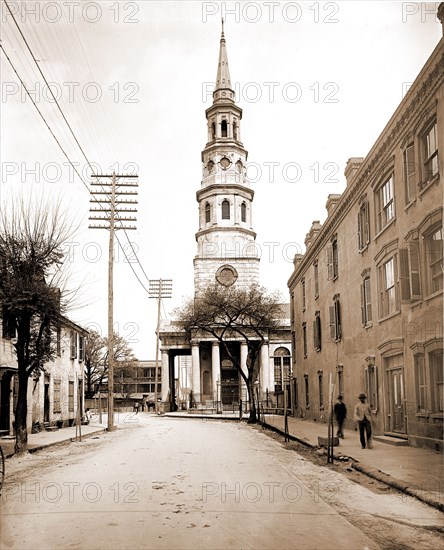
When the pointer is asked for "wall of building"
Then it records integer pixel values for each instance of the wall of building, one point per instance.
(388, 355)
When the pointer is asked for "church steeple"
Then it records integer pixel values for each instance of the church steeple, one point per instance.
(226, 250)
(223, 89)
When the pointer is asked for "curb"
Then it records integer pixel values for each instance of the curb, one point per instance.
(376, 474)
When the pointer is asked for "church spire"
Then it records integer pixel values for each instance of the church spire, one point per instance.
(223, 89)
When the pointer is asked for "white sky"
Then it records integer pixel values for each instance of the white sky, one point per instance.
(317, 82)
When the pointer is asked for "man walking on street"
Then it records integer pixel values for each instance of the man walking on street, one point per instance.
(340, 411)
(363, 416)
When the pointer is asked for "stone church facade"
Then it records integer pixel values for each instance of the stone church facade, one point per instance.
(226, 254)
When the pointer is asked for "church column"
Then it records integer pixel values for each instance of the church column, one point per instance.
(243, 360)
(195, 370)
(215, 368)
(265, 370)
(165, 375)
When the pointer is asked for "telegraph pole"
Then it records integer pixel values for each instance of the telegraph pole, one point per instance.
(159, 288)
(112, 201)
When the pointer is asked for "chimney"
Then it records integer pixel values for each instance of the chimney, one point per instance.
(352, 166)
(312, 234)
(440, 15)
(332, 201)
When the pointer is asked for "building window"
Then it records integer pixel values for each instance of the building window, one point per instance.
(317, 331)
(363, 225)
(385, 204)
(307, 392)
(81, 348)
(434, 254)
(234, 130)
(321, 389)
(371, 386)
(316, 279)
(282, 359)
(388, 288)
(332, 259)
(225, 210)
(8, 325)
(71, 397)
(213, 130)
(436, 377)
(59, 341)
(295, 392)
(243, 212)
(409, 276)
(56, 407)
(335, 319)
(304, 338)
(207, 212)
(73, 345)
(366, 301)
(303, 294)
(224, 128)
(409, 173)
(430, 144)
(421, 383)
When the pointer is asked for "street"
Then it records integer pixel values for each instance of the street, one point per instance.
(160, 482)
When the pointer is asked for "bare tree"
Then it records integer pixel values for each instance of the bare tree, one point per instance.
(96, 359)
(32, 294)
(250, 313)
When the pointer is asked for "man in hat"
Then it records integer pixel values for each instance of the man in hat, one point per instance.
(340, 411)
(363, 416)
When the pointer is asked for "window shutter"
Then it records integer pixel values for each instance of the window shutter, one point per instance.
(329, 262)
(331, 310)
(363, 317)
(404, 274)
(410, 172)
(360, 233)
(315, 339)
(415, 280)
(338, 320)
(368, 300)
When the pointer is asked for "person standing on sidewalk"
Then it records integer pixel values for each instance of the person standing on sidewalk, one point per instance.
(340, 411)
(363, 416)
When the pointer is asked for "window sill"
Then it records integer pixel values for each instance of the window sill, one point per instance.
(422, 415)
(368, 325)
(386, 226)
(410, 204)
(363, 249)
(430, 297)
(394, 314)
(424, 186)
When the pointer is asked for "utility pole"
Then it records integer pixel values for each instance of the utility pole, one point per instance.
(159, 288)
(112, 201)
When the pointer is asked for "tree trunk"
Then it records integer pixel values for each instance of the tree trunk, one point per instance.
(21, 411)
(252, 419)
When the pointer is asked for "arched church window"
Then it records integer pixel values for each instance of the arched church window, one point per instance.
(234, 130)
(225, 210)
(224, 128)
(282, 358)
(213, 130)
(243, 212)
(207, 212)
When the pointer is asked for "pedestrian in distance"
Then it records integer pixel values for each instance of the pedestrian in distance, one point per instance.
(136, 408)
(340, 411)
(363, 416)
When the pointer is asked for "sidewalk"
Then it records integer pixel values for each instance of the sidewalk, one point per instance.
(39, 441)
(416, 472)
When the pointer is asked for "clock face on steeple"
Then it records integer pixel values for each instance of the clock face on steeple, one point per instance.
(226, 275)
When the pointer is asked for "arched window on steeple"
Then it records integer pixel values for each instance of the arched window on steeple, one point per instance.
(243, 212)
(234, 130)
(225, 210)
(213, 130)
(224, 128)
(207, 212)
